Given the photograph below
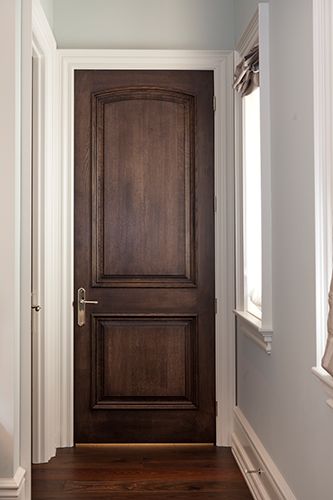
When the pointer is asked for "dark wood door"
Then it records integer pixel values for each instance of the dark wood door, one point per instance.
(144, 249)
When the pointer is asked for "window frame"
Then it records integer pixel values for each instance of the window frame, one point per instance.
(246, 174)
(259, 330)
(323, 177)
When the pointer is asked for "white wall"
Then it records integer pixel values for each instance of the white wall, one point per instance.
(144, 24)
(15, 302)
(9, 248)
(244, 10)
(278, 394)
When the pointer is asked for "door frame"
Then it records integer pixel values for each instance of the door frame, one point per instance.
(221, 63)
(44, 343)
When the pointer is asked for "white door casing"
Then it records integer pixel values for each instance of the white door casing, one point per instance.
(46, 229)
(221, 62)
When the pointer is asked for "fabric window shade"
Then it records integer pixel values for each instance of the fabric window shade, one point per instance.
(327, 361)
(246, 78)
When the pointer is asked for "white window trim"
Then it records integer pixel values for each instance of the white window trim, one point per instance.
(261, 331)
(327, 383)
(323, 162)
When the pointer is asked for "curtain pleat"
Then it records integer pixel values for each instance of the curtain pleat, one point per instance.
(246, 78)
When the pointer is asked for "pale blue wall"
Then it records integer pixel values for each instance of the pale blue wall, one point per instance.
(193, 24)
(144, 24)
(278, 394)
(244, 10)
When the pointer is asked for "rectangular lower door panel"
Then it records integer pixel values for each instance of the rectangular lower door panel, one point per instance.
(144, 362)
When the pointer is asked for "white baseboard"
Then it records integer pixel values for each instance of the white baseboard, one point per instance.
(251, 455)
(13, 487)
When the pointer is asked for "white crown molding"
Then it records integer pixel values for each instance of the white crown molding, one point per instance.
(260, 472)
(13, 487)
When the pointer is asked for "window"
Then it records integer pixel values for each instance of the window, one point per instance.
(253, 183)
(323, 161)
(252, 203)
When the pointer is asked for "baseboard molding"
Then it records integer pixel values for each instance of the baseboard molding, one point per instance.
(251, 455)
(13, 487)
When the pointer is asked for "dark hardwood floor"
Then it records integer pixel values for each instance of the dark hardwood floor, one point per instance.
(142, 472)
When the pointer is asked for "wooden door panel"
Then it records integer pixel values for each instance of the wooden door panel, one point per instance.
(144, 175)
(144, 249)
(144, 362)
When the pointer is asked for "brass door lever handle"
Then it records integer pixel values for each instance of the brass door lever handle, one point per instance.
(83, 301)
(81, 306)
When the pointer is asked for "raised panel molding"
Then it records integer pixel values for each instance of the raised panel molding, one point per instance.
(167, 380)
(176, 265)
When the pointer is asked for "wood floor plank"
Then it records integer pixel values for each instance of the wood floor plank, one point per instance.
(140, 473)
(152, 486)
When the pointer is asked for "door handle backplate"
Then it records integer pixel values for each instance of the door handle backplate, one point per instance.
(81, 306)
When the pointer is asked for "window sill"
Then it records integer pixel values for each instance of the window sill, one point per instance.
(252, 327)
(327, 383)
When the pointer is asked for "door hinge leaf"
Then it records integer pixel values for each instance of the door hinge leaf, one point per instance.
(214, 103)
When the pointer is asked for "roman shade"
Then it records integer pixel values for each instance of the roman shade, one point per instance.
(246, 78)
(327, 361)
